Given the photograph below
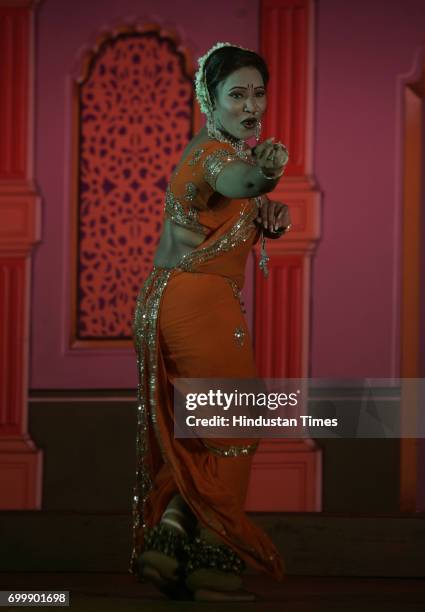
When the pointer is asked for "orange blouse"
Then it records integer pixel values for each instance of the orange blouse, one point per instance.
(192, 202)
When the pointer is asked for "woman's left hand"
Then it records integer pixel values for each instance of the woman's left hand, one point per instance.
(273, 215)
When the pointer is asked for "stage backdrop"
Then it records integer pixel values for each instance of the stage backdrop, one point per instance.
(361, 50)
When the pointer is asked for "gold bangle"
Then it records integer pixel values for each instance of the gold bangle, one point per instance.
(271, 178)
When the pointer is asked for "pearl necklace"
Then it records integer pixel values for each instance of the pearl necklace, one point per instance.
(216, 133)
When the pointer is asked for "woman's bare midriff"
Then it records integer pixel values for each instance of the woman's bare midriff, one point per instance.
(175, 240)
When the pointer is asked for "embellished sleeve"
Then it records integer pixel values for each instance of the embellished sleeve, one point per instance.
(192, 185)
(215, 160)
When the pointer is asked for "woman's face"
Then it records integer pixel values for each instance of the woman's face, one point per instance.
(239, 97)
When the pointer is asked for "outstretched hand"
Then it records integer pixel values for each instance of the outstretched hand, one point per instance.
(271, 157)
(272, 215)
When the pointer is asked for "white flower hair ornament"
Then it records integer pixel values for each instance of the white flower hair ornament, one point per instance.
(201, 88)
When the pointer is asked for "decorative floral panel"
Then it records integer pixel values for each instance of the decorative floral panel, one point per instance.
(135, 118)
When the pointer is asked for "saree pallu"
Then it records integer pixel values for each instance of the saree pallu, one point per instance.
(189, 322)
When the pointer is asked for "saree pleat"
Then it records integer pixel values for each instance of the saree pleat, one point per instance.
(189, 323)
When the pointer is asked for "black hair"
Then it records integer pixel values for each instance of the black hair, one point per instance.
(226, 60)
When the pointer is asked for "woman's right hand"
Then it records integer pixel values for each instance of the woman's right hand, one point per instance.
(271, 157)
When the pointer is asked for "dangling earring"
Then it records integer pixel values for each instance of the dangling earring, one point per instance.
(211, 126)
(212, 129)
(258, 130)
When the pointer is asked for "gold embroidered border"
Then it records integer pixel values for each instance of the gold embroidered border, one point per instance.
(144, 330)
(191, 191)
(238, 233)
(232, 451)
(187, 218)
(196, 156)
(215, 162)
(236, 292)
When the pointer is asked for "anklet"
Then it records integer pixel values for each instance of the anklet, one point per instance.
(175, 511)
(213, 556)
(165, 540)
(169, 521)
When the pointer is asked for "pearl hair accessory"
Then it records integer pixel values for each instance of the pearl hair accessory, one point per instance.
(201, 88)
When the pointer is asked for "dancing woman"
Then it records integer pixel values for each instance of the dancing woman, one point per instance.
(191, 535)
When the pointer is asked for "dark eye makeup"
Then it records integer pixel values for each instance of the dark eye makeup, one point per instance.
(235, 93)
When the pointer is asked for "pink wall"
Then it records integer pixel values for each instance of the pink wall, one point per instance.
(361, 50)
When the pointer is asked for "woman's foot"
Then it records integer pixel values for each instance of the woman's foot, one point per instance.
(163, 571)
(213, 570)
(164, 543)
(150, 574)
(171, 589)
(161, 563)
(177, 591)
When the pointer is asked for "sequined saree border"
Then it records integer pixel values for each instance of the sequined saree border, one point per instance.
(145, 337)
(232, 451)
(144, 332)
(238, 233)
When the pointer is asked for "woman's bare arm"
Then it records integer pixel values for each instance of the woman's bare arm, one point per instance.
(240, 179)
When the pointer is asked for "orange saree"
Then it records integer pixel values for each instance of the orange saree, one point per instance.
(189, 322)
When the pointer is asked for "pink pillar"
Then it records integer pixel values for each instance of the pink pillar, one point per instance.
(20, 460)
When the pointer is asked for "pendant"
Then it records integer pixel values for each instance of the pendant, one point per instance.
(264, 257)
